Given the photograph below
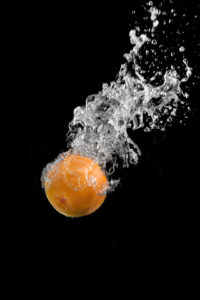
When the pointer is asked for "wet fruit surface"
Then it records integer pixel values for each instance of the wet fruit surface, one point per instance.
(75, 185)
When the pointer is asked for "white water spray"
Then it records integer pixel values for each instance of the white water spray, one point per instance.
(99, 128)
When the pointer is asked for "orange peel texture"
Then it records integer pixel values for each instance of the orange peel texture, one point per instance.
(75, 185)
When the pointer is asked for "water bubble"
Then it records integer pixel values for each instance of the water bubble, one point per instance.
(154, 42)
(181, 49)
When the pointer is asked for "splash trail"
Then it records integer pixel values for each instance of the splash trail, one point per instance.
(99, 129)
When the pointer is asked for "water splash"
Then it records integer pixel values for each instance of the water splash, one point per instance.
(99, 129)
(134, 100)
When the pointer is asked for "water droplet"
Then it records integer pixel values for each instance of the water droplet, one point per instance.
(181, 49)
(155, 23)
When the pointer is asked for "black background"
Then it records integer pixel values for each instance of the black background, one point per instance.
(68, 51)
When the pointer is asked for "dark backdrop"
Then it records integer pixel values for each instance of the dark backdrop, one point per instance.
(68, 52)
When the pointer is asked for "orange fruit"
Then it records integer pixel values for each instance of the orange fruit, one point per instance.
(75, 185)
